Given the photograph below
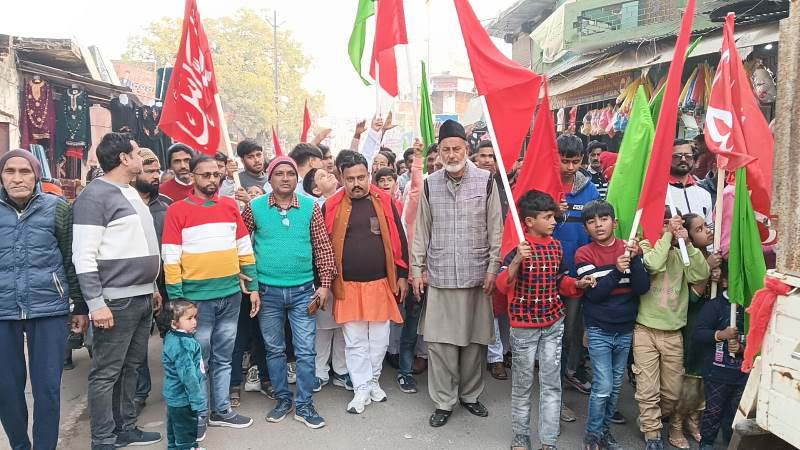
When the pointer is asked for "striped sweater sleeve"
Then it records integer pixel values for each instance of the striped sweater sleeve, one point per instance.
(171, 251)
(244, 246)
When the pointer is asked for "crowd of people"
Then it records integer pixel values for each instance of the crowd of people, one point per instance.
(308, 269)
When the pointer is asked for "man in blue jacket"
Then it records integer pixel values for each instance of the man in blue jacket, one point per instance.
(37, 279)
(570, 231)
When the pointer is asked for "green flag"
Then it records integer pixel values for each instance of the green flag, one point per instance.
(355, 48)
(655, 102)
(631, 166)
(746, 266)
(425, 117)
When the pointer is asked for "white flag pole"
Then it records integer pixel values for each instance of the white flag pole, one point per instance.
(502, 169)
(681, 242)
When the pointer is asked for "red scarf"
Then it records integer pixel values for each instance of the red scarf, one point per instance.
(332, 205)
(760, 311)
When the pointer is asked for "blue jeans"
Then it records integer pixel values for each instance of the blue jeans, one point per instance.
(216, 333)
(609, 355)
(46, 339)
(408, 337)
(143, 383)
(526, 343)
(276, 304)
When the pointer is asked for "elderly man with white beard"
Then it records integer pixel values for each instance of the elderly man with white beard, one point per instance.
(457, 241)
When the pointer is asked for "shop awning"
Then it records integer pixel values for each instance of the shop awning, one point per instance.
(651, 53)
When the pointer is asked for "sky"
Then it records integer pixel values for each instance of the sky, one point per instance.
(321, 26)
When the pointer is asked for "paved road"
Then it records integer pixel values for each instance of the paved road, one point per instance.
(399, 423)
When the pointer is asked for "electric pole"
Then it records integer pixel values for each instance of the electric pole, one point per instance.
(275, 25)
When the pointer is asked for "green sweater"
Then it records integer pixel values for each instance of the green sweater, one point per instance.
(664, 307)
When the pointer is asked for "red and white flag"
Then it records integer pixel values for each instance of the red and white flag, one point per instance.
(276, 145)
(190, 113)
(306, 123)
(737, 131)
(390, 31)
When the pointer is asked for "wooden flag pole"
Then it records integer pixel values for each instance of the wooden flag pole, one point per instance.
(502, 169)
(226, 139)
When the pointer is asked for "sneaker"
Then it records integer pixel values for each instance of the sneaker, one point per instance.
(567, 414)
(252, 383)
(319, 383)
(618, 418)
(267, 389)
(521, 441)
(136, 437)
(291, 372)
(376, 393)
(342, 381)
(590, 442)
(360, 400)
(654, 444)
(103, 447)
(281, 410)
(407, 384)
(607, 442)
(229, 419)
(579, 385)
(202, 427)
(309, 416)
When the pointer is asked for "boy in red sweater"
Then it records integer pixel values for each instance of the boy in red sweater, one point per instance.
(532, 284)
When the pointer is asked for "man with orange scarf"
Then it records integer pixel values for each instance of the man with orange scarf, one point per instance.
(372, 257)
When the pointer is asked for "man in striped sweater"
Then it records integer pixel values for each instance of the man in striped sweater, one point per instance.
(115, 251)
(207, 251)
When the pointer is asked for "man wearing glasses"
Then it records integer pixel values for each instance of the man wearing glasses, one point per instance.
(207, 251)
(291, 245)
(687, 195)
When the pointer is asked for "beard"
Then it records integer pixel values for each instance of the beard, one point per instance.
(457, 167)
(209, 189)
(146, 188)
(681, 170)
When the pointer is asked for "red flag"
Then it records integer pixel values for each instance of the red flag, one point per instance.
(540, 169)
(306, 123)
(737, 131)
(190, 112)
(511, 90)
(654, 191)
(390, 30)
(276, 145)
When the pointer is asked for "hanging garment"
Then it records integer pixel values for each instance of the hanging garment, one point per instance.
(162, 82)
(74, 134)
(41, 154)
(149, 135)
(38, 121)
(123, 117)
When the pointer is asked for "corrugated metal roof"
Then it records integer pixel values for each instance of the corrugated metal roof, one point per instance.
(523, 11)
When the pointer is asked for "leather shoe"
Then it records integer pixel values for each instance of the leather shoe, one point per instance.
(420, 366)
(439, 418)
(498, 371)
(476, 409)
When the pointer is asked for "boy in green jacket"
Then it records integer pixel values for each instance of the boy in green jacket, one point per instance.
(657, 339)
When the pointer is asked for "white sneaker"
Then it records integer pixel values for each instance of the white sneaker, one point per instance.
(361, 399)
(252, 382)
(291, 372)
(375, 392)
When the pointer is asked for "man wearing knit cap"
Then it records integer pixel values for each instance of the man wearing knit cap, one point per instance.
(457, 240)
(291, 245)
(37, 280)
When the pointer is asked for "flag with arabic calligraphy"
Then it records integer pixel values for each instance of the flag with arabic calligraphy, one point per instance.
(190, 112)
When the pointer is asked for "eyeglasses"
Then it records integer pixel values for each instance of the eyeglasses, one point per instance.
(284, 217)
(684, 156)
(209, 175)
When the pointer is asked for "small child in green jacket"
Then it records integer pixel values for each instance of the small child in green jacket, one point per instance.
(184, 376)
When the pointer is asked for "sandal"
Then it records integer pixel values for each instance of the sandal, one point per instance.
(521, 442)
(235, 397)
(693, 426)
(677, 439)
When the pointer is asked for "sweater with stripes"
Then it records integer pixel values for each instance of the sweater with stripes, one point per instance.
(205, 246)
(612, 305)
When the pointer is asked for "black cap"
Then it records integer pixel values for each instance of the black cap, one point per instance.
(451, 128)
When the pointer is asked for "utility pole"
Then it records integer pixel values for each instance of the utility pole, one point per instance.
(275, 25)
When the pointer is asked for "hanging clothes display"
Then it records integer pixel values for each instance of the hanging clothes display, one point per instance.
(149, 135)
(38, 122)
(123, 115)
(162, 82)
(75, 127)
(41, 154)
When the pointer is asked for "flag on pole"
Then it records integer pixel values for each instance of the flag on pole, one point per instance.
(511, 90)
(355, 47)
(631, 167)
(190, 113)
(746, 266)
(390, 31)
(737, 131)
(276, 145)
(425, 118)
(540, 169)
(306, 123)
(654, 190)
